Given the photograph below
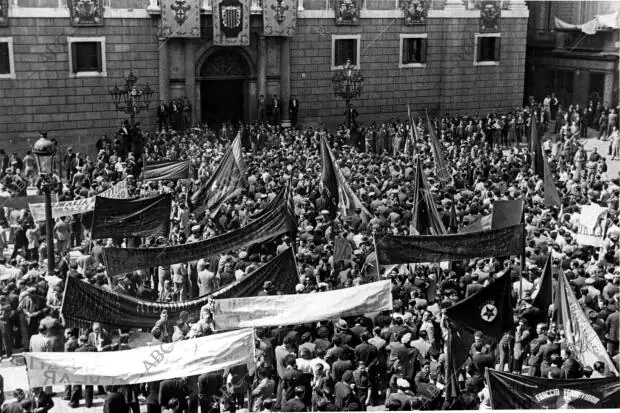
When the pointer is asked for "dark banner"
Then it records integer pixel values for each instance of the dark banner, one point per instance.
(441, 169)
(515, 391)
(392, 249)
(143, 217)
(165, 170)
(507, 213)
(270, 224)
(23, 202)
(425, 218)
(84, 303)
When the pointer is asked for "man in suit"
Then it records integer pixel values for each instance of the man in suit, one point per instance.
(162, 115)
(115, 402)
(262, 109)
(275, 109)
(99, 338)
(293, 109)
(351, 115)
(535, 345)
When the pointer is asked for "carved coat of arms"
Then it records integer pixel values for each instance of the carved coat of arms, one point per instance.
(180, 8)
(416, 11)
(347, 12)
(490, 13)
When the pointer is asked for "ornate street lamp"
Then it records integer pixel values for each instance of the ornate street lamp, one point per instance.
(348, 82)
(134, 99)
(44, 151)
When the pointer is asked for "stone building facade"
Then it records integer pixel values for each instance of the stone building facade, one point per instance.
(574, 65)
(42, 92)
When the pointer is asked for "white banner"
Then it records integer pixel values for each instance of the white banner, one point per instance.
(591, 225)
(580, 336)
(275, 310)
(144, 364)
(80, 206)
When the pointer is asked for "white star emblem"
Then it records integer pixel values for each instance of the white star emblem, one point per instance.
(488, 313)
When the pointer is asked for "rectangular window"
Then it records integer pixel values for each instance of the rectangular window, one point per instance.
(345, 47)
(487, 49)
(7, 63)
(87, 56)
(413, 50)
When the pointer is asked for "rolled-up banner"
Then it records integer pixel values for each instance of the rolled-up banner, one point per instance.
(165, 170)
(267, 226)
(145, 364)
(78, 206)
(502, 242)
(276, 310)
(84, 304)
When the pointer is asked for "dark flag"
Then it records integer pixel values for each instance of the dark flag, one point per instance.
(413, 133)
(440, 164)
(342, 249)
(425, 219)
(551, 195)
(489, 311)
(226, 182)
(165, 170)
(507, 213)
(544, 296)
(456, 356)
(536, 147)
(337, 186)
(515, 391)
(143, 217)
(84, 304)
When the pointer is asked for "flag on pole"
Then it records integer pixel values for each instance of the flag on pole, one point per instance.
(536, 147)
(413, 133)
(544, 296)
(425, 217)
(551, 196)
(440, 164)
(225, 183)
(581, 338)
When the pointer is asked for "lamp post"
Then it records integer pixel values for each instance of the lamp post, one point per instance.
(44, 151)
(134, 99)
(348, 83)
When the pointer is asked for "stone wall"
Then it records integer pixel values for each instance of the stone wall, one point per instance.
(75, 111)
(449, 82)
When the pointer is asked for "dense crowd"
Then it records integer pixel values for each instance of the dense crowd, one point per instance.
(396, 358)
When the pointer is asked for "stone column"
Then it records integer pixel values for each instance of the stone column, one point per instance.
(285, 78)
(164, 75)
(262, 66)
(190, 74)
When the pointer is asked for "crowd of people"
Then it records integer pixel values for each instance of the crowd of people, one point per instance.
(396, 359)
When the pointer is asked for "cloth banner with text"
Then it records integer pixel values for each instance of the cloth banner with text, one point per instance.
(85, 304)
(393, 249)
(165, 170)
(231, 22)
(180, 18)
(516, 391)
(143, 217)
(581, 338)
(274, 221)
(280, 17)
(23, 202)
(143, 364)
(276, 310)
(78, 206)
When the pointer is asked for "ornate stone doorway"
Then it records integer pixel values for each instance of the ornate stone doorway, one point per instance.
(224, 83)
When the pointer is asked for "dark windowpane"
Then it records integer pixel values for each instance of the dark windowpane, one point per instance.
(86, 57)
(488, 49)
(345, 49)
(414, 51)
(5, 64)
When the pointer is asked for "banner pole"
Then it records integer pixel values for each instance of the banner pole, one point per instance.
(374, 241)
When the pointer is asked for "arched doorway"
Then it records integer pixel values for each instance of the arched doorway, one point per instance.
(224, 87)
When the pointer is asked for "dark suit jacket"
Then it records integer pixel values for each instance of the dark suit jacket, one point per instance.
(115, 403)
(172, 388)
